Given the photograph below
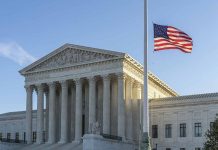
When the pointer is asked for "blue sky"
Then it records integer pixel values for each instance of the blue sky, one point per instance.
(187, 73)
(35, 28)
(32, 29)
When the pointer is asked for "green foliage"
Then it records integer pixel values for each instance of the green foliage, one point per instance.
(212, 137)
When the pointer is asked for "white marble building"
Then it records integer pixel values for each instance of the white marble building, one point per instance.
(182, 121)
(77, 86)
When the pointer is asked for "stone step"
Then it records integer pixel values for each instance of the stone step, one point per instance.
(57, 146)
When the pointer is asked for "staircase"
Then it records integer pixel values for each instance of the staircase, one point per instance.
(57, 146)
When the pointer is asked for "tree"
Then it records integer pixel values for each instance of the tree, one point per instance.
(212, 136)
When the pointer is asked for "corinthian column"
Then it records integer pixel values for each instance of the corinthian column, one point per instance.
(29, 101)
(40, 113)
(51, 134)
(137, 91)
(78, 114)
(136, 110)
(121, 105)
(129, 114)
(92, 102)
(46, 116)
(106, 104)
(64, 112)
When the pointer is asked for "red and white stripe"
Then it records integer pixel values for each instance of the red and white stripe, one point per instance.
(177, 40)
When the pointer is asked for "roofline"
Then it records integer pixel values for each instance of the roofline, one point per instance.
(120, 54)
(185, 97)
(151, 75)
(67, 45)
(163, 84)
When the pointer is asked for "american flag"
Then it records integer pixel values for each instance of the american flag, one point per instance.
(168, 37)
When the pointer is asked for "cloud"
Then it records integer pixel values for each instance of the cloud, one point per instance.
(15, 52)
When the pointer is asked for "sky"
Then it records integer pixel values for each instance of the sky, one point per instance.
(193, 73)
(31, 29)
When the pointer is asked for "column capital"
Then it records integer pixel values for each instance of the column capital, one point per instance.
(121, 75)
(64, 84)
(92, 78)
(51, 84)
(137, 85)
(130, 80)
(39, 87)
(29, 88)
(78, 81)
(46, 92)
(106, 77)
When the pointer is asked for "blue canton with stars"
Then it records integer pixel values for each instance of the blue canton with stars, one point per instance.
(160, 31)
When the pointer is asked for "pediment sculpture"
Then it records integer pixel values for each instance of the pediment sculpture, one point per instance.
(69, 57)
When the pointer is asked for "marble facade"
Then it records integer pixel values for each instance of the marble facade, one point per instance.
(84, 85)
(77, 86)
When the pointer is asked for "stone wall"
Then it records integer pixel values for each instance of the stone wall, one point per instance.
(188, 109)
(97, 142)
(10, 146)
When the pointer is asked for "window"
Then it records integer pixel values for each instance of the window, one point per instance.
(211, 125)
(168, 131)
(198, 129)
(34, 136)
(44, 135)
(24, 136)
(16, 136)
(8, 136)
(197, 148)
(182, 148)
(183, 130)
(0, 136)
(154, 131)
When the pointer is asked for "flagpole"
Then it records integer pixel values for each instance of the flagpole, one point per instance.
(144, 145)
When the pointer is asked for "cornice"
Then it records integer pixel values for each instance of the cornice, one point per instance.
(136, 65)
(18, 115)
(155, 79)
(65, 46)
(187, 97)
(183, 104)
(160, 88)
(132, 65)
(78, 66)
(182, 101)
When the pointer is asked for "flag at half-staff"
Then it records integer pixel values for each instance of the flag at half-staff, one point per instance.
(168, 37)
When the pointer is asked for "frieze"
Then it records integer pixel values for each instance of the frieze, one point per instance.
(159, 87)
(94, 67)
(135, 71)
(181, 104)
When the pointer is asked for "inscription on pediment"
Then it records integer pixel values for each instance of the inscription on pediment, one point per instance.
(71, 56)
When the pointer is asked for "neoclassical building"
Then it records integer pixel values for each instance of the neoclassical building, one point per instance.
(82, 86)
(82, 90)
(180, 123)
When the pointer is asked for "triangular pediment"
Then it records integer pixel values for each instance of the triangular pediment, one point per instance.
(69, 55)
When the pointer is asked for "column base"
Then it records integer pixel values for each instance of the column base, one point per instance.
(77, 141)
(50, 142)
(40, 142)
(29, 142)
(62, 142)
(124, 139)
